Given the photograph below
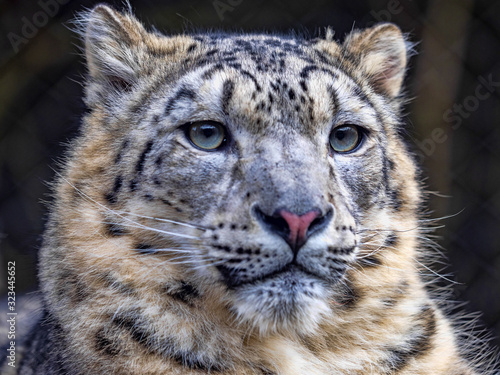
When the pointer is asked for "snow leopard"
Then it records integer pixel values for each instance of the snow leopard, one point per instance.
(240, 203)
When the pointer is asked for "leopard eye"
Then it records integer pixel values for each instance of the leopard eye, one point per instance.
(206, 135)
(345, 138)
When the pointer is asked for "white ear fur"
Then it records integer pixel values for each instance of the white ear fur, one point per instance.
(112, 45)
(381, 53)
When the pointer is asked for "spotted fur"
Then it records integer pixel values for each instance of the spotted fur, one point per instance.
(164, 258)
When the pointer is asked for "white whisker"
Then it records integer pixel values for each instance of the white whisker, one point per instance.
(139, 225)
(437, 274)
(170, 250)
(211, 264)
(199, 227)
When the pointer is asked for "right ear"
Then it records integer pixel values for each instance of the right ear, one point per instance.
(381, 54)
(113, 43)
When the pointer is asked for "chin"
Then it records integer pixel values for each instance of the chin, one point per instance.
(291, 302)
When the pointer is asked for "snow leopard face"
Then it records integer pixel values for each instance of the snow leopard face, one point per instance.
(228, 182)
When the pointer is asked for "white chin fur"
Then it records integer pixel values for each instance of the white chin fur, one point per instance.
(290, 302)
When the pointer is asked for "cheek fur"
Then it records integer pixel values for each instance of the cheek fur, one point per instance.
(363, 179)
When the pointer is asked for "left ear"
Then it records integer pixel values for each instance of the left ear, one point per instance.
(113, 43)
(381, 53)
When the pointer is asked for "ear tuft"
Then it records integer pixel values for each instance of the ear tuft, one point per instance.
(381, 53)
(112, 45)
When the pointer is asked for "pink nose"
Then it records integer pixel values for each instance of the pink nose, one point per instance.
(298, 226)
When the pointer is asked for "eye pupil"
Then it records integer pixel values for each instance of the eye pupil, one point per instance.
(340, 134)
(206, 135)
(345, 138)
(207, 132)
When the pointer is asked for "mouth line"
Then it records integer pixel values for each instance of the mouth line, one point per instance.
(290, 267)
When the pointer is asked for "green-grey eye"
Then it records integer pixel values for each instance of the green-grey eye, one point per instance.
(345, 138)
(206, 135)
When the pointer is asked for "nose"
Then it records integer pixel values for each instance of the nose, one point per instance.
(294, 229)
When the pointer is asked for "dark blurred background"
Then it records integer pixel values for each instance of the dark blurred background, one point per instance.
(454, 82)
